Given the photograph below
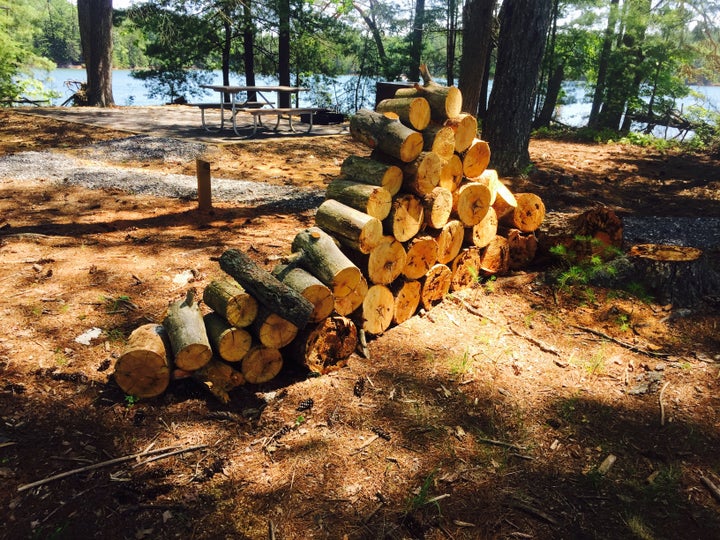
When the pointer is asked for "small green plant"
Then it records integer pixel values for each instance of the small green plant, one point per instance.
(596, 364)
(623, 321)
(421, 496)
(61, 358)
(131, 400)
(461, 365)
(299, 420)
(490, 284)
(116, 335)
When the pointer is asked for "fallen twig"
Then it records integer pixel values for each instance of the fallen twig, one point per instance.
(712, 488)
(500, 443)
(534, 512)
(539, 344)
(629, 346)
(662, 405)
(475, 311)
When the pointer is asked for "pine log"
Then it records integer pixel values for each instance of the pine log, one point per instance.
(375, 201)
(445, 101)
(272, 330)
(314, 290)
(489, 177)
(522, 248)
(466, 268)
(414, 112)
(405, 218)
(143, 368)
(597, 231)
(465, 127)
(407, 299)
(505, 201)
(422, 175)
(437, 207)
(422, 254)
(219, 378)
(471, 202)
(435, 286)
(319, 255)
(370, 171)
(476, 158)
(481, 234)
(450, 240)
(269, 291)
(229, 342)
(451, 174)
(352, 228)
(378, 307)
(261, 364)
(528, 215)
(495, 257)
(386, 262)
(439, 139)
(389, 136)
(324, 347)
(227, 298)
(186, 331)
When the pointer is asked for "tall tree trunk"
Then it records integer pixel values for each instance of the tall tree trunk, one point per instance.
(284, 51)
(603, 64)
(416, 42)
(95, 23)
(477, 19)
(523, 26)
(551, 96)
(451, 41)
(249, 48)
(369, 19)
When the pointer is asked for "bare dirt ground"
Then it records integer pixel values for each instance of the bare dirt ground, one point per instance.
(497, 414)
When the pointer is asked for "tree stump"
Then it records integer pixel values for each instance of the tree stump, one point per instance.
(143, 368)
(370, 171)
(326, 346)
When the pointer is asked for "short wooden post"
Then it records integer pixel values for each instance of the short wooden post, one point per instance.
(204, 190)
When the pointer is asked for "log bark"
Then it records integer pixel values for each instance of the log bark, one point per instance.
(269, 291)
(471, 202)
(495, 257)
(597, 231)
(481, 234)
(407, 299)
(272, 330)
(229, 342)
(435, 286)
(352, 228)
(466, 268)
(389, 136)
(439, 139)
(227, 298)
(314, 290)
(378, 307)
(522, 248)
(422, 254)
(219, 378)
(405, 218)
(261, 364)
(186, 331)
(375, 201)
(451, 174)
(528, 215)
(370, 171)
(143, 368)
(476, 158)
(414, 112)
(422, 175)
(437, 207)
(465, 127)
(326, 346)
(450, 240)
(445, 101)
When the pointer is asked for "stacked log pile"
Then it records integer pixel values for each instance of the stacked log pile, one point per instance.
(420, 216)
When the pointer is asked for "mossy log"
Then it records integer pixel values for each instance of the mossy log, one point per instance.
(227, 298)
(143, 368)
(229, 342)
(186, 331)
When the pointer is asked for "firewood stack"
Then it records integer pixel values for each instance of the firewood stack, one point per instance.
(420, 216)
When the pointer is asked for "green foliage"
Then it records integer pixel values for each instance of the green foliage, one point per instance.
(131, 400)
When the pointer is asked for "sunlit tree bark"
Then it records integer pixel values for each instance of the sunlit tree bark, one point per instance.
(95, 22)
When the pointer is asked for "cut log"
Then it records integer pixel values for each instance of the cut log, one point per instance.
(522, 248)
(227, 298)
(261, 364)
(143, 368)
(186, 331)
(407, 299)
(451, 174)
(346, 305)
(319, 254)
(449, 240)
(476, 158)
(504, 200)
(677, 275)
(405, 218)
(528, 215)
(375, 201)
(272, 330)
(490, 178)
(466, 268)
(422, 175)
(219, 378)
(389, 136)
(481, 234)
(471, 202)
(437, 207)
(369, 171)
(422, 254)
(352, 228)
(495, 257)
(319, 294)
(378, 307)
(229, 342)
(465, 127)
(439, 139)
(386, 262)
(445, 101)
(597, 231)
(435, 286)
(269, 291)
(324, 347)
(414, 112)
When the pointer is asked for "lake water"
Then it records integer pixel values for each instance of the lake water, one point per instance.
(129, 91)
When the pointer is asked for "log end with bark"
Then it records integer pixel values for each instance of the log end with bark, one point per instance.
(143, 368)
